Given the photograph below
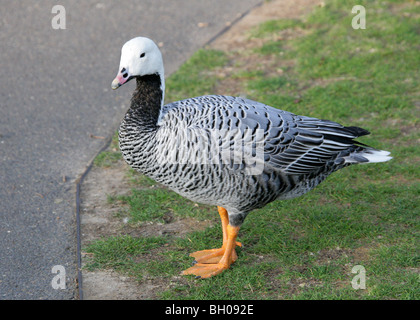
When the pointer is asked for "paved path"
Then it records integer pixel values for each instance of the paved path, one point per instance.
(55, 98)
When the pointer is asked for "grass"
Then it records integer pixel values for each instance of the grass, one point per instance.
(365, 215)
(110, 156)
(119, 253)
(195, 77)
(158, 205)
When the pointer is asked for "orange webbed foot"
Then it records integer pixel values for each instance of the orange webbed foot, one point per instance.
(211, 262)
(206, 270)
(212, 255)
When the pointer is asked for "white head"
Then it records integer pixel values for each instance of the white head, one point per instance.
(139, 57)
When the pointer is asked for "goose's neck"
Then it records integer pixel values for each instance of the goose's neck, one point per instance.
(147, 101)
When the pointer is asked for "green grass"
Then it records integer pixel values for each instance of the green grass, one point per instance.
(109, 157)
(364, 215)
(120, 253)
(195, 77)
(157, 204)
(272, 27)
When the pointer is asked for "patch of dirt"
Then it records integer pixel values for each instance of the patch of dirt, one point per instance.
(326, 256)
(237, 36)
(239, 39)
(99, 218)
(109, 285)
(361, 254)
(97, 215)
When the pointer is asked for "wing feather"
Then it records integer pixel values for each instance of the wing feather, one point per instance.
(292, 144)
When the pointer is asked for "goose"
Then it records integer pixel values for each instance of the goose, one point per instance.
(230, 152)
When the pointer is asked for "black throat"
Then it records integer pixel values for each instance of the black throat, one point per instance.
(146, 101)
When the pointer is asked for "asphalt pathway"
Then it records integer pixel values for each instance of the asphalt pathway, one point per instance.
(56, 105)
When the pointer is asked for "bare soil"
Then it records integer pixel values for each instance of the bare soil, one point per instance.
(99, 218)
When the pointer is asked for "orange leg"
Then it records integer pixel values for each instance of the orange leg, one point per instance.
(214, 255)
(214, 261)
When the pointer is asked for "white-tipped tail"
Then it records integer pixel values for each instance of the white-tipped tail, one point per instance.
(368, 155)
(376, 155)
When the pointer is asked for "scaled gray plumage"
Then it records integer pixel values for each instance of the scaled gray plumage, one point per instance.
(298, 152)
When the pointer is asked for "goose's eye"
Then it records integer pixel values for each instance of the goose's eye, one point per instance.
(142, 55)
